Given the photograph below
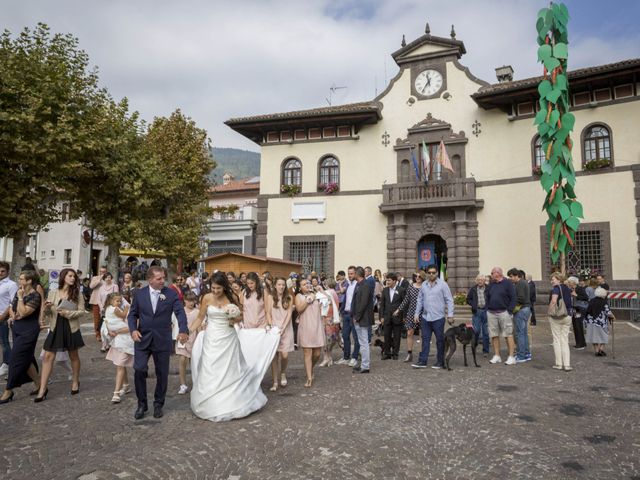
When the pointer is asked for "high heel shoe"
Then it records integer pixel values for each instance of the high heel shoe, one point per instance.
(76, 391)
(8, 399)
(42, 398)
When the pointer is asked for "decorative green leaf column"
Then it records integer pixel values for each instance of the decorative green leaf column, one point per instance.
(555, 123)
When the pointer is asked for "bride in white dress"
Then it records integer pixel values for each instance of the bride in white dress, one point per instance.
(227, 365)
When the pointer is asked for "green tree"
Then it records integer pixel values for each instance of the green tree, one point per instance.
(50, 107)
(555, 124)
(180, 154)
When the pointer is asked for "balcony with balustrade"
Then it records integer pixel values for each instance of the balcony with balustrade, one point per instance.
(437, 194)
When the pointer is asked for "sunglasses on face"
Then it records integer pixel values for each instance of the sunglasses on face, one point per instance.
(432, 273)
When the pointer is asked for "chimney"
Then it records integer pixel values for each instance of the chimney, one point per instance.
(504, 74)
(226, 178)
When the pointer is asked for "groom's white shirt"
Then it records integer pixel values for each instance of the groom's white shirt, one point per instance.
(155, 294)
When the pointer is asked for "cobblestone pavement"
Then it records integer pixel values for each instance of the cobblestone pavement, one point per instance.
(525, 421)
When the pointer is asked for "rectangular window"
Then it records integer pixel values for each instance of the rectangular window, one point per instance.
(224, 246)
(67, 256)
(624, 91)
(344, 131)
(314, 133)
(43, 253)
(53, 254)
(300, 135)
(525, 108)
(603, 95)
(581, 98)
(591, 253)
(272, 137)
(328, 132)
(314, 256)
(285, 136)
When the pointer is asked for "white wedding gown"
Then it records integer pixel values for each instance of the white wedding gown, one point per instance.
(227, 367)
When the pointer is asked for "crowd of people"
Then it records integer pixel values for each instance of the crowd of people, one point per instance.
(312, 312)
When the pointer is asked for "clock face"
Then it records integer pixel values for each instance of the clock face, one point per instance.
(428, 82)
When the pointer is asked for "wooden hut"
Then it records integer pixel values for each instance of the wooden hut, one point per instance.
(240, 262)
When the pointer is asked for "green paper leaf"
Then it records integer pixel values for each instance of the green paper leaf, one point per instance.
(564, 211)
(562, 243)
(540, 117)
(553, 210)
(543, 128)
(551, 63)
(573, 223)
(576, 209)
(560, 50)
(546, 167)
(548, 225)
(554, 94)
(553, 118)
(544, 53)
(561, 81)
(568, 189)
(568, 120)
(545, 180)
(555, 174)
(545, 87)
(554, 255)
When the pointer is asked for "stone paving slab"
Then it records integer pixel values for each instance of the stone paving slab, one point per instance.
(525, 421)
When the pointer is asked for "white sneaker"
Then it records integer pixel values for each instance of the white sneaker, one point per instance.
(342, 361)
(4, 369)
(510, 361)
(183, 389)
(353, 362)
(495, 359)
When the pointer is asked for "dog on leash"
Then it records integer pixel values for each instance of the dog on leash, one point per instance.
(466, 335)
(379, 343)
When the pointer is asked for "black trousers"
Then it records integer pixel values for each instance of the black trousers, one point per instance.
(392, 335)
(578, 331)
(141, 369)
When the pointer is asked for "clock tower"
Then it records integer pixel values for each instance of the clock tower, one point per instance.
(426, 57)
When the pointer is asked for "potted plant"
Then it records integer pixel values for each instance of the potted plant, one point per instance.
(597, 164)
(537, 170)
(329, 188)
(290, 189)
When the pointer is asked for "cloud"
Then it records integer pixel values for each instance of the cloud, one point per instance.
(218, 59)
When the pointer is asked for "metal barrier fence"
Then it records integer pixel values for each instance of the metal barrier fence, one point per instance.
(626, 301)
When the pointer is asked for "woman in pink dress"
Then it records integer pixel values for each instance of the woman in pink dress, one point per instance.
(253, 310)
(183, 350)
(279, 307)
(310, 327)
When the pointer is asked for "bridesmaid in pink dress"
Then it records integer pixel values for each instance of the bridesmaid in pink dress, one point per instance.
(310, 328)
(279, 306)
(253, 310)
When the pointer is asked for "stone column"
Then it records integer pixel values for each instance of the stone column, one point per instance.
(400, 244)
(391, 244)
(462, 271)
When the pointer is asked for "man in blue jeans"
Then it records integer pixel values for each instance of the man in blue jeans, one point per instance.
(434, 296)
(521, 314)
(348, 328)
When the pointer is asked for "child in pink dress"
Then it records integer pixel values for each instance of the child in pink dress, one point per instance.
(121, 351)
(184, 349)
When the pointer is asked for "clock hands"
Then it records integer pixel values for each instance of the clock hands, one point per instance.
(426, 84)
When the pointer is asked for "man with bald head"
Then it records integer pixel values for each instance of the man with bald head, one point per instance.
(501, 300)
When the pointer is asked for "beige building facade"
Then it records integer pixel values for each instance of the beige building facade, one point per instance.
(338, 184)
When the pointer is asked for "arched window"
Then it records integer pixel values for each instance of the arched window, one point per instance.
(596, 144)
(538, 153)
(329, 171)
(404, 171)
(292, 172)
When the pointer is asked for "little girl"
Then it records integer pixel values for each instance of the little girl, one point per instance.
(121, 351)
(184, 349)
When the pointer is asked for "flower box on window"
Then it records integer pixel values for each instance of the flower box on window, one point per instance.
(329, 188)
(290, 189)
(597, 164)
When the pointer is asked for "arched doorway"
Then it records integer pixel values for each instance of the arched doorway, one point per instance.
(432, 250)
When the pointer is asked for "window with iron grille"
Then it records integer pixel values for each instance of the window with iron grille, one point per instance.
(314, 256)
(224, 246)
(292, 172)
(590, 255)
(597, 144)
(329, 171)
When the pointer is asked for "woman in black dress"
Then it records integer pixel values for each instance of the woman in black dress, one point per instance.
(24, 315)
(65, 309)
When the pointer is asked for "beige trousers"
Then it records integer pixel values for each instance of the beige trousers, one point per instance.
(560, 331)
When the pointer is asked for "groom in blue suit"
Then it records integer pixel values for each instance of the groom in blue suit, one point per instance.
(150, 326)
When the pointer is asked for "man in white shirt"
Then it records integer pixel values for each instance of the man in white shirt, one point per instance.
(8, 289)
(348, 328)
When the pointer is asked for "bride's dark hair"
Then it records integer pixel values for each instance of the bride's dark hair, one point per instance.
(219, 278)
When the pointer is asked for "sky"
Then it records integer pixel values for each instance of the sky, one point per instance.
(221, 59)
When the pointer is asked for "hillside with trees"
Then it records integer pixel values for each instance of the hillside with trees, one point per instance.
(240, 163)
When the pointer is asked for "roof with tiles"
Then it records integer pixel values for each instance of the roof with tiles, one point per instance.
(360, 107)
(242, 185)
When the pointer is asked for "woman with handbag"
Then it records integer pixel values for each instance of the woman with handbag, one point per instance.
(560, 312)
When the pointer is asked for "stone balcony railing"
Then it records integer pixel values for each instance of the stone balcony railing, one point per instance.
(436, 194)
